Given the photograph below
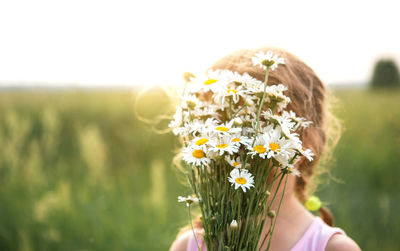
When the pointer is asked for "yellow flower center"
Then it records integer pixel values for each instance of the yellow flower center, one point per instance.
(260, 149)
(231, 91)
(268, 63)
(274, 147)
(198, 154)
(201, 141)
(222, 128)
(191, 104)
(222, 145)
(210, 81)
(235, 164)
(235, 140)
(241, 180)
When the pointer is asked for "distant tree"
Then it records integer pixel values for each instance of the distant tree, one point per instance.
(386, 74)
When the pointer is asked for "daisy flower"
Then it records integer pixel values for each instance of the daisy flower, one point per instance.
(184, 130)
(276, 97)
(299, 122)
(240, 139)
(287, 124)
(276, 89)
(245, 80)
(201, 141)
(212, 81)
(241, 178)
(294, 171)
(230, 90)
(262, 59)
(225, 144)
(284, 158)
(198, 126)
(235, 162)
(188, 200)
(267, 114)
(276, 144)
(177, 122)
(226, 128)
(303, 123)
(196, 155)
(306, 153)
(211, 122)
(255, 89)
(189, 102)
(259, 147)
(270, 143)
(194, 127)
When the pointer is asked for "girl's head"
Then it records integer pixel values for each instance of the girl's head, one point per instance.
(308, 100)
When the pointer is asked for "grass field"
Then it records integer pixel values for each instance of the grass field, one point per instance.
(79, 171)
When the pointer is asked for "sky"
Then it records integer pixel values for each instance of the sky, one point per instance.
(128, 43)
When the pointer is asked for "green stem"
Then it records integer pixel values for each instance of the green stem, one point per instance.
(260, 105)
(277, 212)
(273, 198)
(203, 179)
(191, 224)
(241, 108)
(251, 203)
(230, 108)
(238, 217)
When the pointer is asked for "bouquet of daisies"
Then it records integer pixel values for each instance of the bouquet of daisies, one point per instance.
(238, 142)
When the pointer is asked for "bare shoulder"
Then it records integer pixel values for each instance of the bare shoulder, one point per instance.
(341, 242)
(180, 244)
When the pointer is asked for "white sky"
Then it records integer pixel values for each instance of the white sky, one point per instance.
(153, 42)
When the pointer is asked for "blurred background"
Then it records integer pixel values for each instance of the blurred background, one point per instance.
(80, 171)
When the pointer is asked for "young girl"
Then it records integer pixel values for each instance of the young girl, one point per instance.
(296, 228)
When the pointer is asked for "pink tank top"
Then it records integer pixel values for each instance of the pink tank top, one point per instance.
(314, 238)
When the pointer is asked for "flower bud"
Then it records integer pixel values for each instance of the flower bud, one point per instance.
(238, 121)
(191, 104)
(271, 214)
(188, 200)
(234, 224)
(248, 102)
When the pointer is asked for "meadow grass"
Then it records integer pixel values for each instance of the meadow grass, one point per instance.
(80, 171)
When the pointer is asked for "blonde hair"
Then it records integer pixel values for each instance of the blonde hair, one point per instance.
(309, 100)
